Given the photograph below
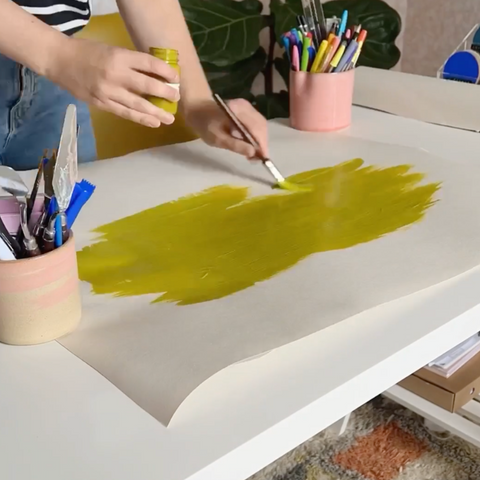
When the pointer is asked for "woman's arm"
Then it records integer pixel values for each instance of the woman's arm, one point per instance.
(26, 39)
(113, 79)
(160, 23)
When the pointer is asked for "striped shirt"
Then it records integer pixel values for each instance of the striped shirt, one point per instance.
(68, 16)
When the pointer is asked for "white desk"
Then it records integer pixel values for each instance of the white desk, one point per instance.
(61, 420)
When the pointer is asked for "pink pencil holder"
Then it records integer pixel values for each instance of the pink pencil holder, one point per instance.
(321, 102)
(40, 297)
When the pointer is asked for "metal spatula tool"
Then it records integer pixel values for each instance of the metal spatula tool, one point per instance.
(13, 184)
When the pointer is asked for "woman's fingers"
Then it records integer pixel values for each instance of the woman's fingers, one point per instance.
(140, 105)
(228, 142)
(128, 113)
(254, 121)
(143, 62)
(145, 85)
(135, 70)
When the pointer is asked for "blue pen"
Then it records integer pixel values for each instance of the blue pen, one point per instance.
(343, 23)
(286, 44)
(346, 57)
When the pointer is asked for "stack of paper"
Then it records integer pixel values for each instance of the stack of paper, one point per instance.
(447, 364)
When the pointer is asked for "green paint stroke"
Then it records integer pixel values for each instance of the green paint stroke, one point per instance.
(220, 241)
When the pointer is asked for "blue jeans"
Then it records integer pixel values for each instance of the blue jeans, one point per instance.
(32, 110)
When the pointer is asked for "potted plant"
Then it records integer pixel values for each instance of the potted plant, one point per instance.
(226, 34)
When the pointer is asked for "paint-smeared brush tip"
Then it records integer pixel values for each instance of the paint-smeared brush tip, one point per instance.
(293, 187)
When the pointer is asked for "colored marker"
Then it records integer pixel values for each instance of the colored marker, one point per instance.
(319, 57)
(347, 57)
(343, 23)
(295, 59)
(360, 41)
(336, 58)
(348, 34)
(305, 55)
(286, 44)
(311, 58)
(298, 40)
(331, 49)
(356, 32)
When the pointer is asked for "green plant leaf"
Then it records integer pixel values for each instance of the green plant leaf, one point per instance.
(382, 23)
(235, 81)
(283, 68)
(271, 106)
(285, 15)
(224, 31)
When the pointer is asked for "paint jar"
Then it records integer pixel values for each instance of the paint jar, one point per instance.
(40, 297)
(170, 57)
(321, 102)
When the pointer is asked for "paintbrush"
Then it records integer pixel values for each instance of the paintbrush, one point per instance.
(31, 199)
(33, 194)
(48, 169)
(279, 178)
(320, 19)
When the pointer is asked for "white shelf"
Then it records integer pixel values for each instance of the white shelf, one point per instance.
(455, 423)
(471, 411)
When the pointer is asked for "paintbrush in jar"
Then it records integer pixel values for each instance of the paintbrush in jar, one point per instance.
(34, 192)
(48, 168)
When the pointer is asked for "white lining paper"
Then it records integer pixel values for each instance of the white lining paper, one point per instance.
(159, 353)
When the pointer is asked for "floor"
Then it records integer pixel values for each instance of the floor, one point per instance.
(384, 441)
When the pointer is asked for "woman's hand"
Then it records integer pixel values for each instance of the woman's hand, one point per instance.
(114, 79)
(215, 128)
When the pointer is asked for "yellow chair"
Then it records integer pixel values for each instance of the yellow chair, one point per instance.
(116, 136)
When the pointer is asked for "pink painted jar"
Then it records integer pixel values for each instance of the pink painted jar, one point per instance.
(40, 297)
(321, 102)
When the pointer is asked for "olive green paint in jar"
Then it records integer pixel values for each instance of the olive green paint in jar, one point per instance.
(170, 57)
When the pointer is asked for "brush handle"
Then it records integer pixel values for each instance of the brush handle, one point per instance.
(65, 235)
(48, 237)
(36, 185)
(248, 138)
(241, 128)
(58, 232)
(48, 244)
(34, 252)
